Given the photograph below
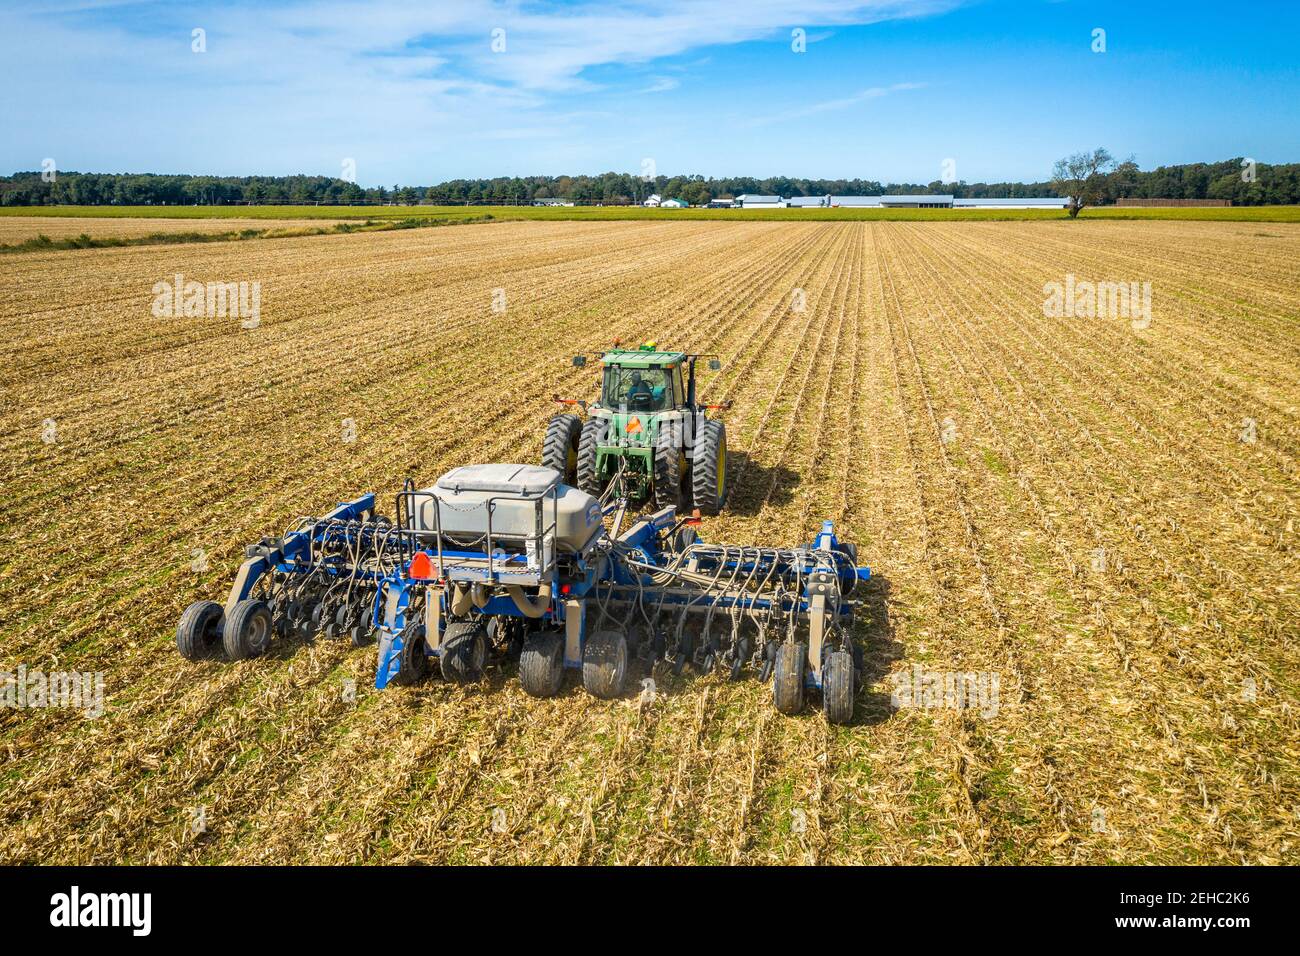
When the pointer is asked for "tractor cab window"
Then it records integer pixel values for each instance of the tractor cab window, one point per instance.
(639, 389)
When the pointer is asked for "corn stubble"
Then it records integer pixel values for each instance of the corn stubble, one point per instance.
(980, 455)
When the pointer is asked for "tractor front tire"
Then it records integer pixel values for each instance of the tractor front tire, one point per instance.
(709, 467)
(560, 446)
(604, 664)
(464, 652)
(541, 664)
(247, 631)
(838, 687)
(199, 630)
(667, 478)
(592, 434)
(787, 683)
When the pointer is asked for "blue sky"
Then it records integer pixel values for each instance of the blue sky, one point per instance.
(414, 92)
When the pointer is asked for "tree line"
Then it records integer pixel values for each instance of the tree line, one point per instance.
(1234, 179)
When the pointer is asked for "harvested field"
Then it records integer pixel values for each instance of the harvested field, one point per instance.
(1099, 511)
(15, 229)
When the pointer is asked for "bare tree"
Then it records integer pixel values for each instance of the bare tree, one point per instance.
(1082, 177)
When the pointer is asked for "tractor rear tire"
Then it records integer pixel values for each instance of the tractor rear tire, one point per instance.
(667, 478)
(247, 631)
(787, 683)
(709, 467)
(838, 687)
(464, 652)
(560, 446)
(413, 661)
(199, 630)
(604, 664)
(541, 664)
(592, 434)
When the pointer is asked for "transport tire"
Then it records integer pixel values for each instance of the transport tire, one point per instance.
(413, 661)
(838, 687)
(709, 468)
(199, 630)
(592, 434)
(667, 478)
(541, 664)
(247, 631)
(464, 652)
(604, 664)
(787, 683)
(560, 446)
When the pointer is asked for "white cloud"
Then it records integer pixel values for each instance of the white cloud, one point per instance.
(840, 103)
(290, 86)
(662, 84)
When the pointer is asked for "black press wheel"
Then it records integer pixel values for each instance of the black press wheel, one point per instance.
(464, 652)
(787, 684)
(247, 631)
(838, 686)
(413, 660)
(199, 630)
(541, 663)
(604, 664)
(560, 446)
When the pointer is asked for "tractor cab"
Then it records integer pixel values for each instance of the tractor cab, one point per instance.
(645, 381)
(646, 434)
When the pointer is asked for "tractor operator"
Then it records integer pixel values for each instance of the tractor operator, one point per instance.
(637, 388)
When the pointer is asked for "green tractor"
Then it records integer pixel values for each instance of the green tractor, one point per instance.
(647, 436)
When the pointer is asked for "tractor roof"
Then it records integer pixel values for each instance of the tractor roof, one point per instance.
(639, 358)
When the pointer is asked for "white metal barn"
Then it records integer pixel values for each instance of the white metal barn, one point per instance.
(924, 201)
(1041, 202)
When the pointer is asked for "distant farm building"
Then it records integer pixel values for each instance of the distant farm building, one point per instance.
(916, 202)
(552, 202)
(922, 202)
(1043, 202)
(674, 204)
(720, 204)
(749, 201)
(1134, 203)
(653, 200)
(833, 202)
